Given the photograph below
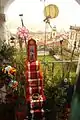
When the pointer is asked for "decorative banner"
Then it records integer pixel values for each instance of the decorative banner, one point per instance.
(23, 33)
(51, 11)
(13, 84)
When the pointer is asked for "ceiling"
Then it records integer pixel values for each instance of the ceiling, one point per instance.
(6, 3)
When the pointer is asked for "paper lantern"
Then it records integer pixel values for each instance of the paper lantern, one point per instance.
(51, 11)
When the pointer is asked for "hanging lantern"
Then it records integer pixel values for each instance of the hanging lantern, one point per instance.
(51, 11)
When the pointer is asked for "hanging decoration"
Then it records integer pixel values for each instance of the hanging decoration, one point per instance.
(23, 33)
(9, 70)
(13, 84)
(51, 11)
(9, 73)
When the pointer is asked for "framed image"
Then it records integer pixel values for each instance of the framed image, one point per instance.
(32, 50)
